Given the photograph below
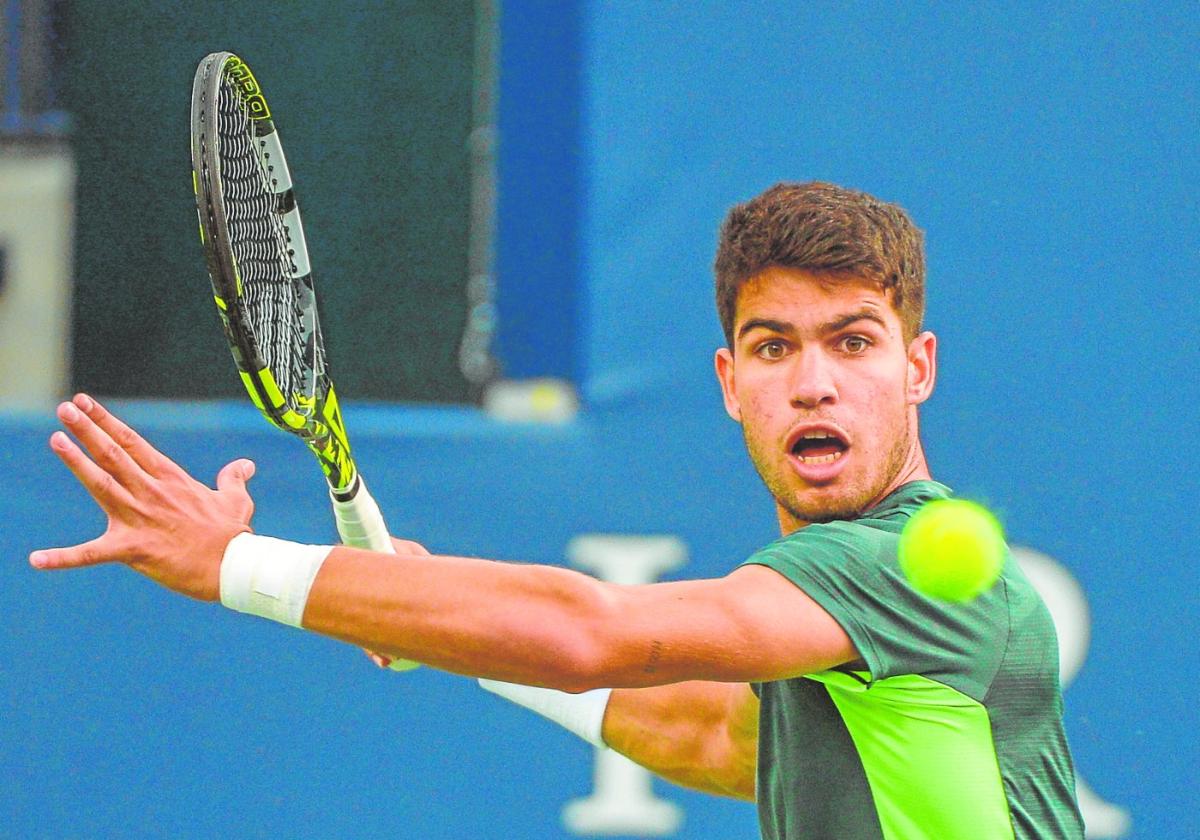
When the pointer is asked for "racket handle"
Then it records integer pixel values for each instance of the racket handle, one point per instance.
(359, 522)
(360, 525)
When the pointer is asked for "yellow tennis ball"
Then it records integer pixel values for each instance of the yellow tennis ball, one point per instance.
(952, 549)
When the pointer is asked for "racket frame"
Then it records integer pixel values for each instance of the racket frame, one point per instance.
(318, 422)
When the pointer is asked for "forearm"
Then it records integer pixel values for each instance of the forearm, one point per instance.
(536, 625)
(542, 625)
(696, 734)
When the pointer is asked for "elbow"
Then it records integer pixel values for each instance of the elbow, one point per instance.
(581, 644)
(590, 656)
(585, 664)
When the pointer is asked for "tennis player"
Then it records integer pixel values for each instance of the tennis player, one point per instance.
(811, 679)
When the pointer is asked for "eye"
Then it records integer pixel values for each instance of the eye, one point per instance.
(855, 344)
(771, 350)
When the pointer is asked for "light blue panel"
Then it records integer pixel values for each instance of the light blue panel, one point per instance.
(1033, 146)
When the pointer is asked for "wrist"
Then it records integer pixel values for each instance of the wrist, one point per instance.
(268, 577)
(216, 545)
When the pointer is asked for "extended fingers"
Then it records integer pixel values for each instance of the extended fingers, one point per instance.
(109, 455)
(91, 553)
(139, 449)
(107, 492)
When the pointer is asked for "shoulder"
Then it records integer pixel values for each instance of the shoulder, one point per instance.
(845, 547)
(1028, 613)
(850, 569)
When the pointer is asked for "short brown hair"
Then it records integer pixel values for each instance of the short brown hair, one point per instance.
(827, 230)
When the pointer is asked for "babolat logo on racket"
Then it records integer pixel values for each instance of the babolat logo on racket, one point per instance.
(240, 75)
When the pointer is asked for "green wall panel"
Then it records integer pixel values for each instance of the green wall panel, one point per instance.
(374, 106)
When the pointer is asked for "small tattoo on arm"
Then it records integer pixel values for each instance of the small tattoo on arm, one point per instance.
(655, 654)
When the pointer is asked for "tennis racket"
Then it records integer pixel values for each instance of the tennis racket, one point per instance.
(263, 284)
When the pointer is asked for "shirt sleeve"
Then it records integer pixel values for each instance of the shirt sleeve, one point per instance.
(851, 571)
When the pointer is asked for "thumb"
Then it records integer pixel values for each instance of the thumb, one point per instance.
(235, 474)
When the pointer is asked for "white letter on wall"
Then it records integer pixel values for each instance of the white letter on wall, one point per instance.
(622, 799)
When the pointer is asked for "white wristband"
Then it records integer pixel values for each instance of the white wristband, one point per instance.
(268, 577)
(582, 714)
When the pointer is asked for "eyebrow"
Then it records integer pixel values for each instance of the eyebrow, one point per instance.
(824, 329)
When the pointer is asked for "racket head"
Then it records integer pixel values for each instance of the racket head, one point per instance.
(257, 260)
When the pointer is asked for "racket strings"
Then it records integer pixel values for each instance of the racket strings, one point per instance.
(280, 306)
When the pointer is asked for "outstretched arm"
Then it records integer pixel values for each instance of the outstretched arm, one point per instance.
(537, 625)
(542, 625)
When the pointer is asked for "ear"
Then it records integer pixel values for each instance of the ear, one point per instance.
(922, 367)
(724, 364)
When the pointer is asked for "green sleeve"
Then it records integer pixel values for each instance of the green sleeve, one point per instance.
(852, 572)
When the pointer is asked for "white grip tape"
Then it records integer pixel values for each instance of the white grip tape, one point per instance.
(270, 578)
(360, 525)
(359, 522)
(582, 714)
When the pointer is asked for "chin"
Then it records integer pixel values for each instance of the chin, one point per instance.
(846, 506)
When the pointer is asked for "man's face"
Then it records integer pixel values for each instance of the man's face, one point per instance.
(826, 390)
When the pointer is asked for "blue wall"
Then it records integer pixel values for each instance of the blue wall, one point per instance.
(1050, 156)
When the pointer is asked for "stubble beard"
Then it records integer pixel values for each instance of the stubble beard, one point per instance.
(847, 503)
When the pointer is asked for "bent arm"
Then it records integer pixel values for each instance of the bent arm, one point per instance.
(702, 735)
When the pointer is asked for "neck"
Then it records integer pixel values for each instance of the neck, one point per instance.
(914, 467)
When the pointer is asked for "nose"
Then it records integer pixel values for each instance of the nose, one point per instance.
(813, 383)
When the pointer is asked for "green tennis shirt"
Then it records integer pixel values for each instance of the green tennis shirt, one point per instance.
(950, 728)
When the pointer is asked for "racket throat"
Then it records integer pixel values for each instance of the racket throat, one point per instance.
(348, 494)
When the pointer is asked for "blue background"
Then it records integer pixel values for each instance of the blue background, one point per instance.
(1048, 151)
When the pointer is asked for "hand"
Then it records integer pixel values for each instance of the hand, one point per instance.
(402, 547)
(161, 521)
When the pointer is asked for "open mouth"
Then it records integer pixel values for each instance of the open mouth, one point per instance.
(819, 446)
